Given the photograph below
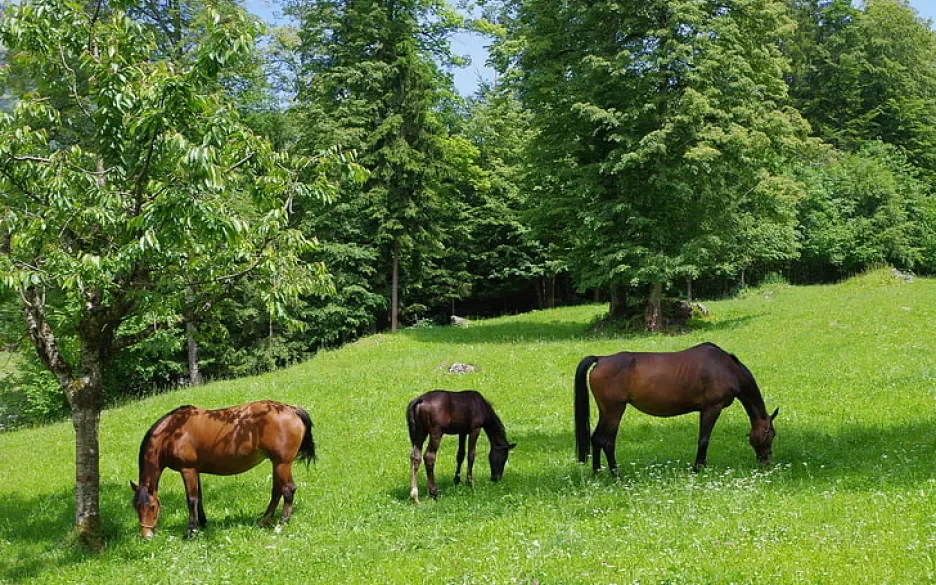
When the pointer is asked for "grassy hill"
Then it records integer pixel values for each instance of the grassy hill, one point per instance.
(851, 497)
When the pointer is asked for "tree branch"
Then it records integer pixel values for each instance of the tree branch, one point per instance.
(42, 337)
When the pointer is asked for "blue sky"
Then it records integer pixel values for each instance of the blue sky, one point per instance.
(466, 79)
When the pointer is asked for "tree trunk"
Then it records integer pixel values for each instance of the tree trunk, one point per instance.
(194, 374)
(689, 289)
(540, 289)
(86, 418)
(551, 292)
(653, 314)
(618, 304)
(395, 286)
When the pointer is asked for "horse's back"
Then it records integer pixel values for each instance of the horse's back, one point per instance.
(668, 383)
(451, 412)
(232, 440)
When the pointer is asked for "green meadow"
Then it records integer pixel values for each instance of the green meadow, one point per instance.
(851, 497)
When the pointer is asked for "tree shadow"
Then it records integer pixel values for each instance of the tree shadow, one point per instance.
(44, 522)
(713, 325)
(858, 457)
(500, 333)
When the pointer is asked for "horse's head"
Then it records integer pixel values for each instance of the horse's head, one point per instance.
(762, 436)
(498, 458)
(147, 507)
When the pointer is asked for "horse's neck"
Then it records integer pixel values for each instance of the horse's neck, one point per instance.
(150, 467)
(494, 429)
(753, 404)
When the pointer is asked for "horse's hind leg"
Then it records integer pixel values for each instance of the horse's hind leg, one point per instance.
(604, 439)
(415, 458)
(435, 438)
(460, 457)
(288, 488)
(193, 497)
(707, 420)
(282, 482)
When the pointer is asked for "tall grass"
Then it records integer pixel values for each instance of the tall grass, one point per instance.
(850, 498)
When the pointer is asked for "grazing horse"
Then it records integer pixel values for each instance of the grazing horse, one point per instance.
(703, 379)
(440, 412)
(227, 441)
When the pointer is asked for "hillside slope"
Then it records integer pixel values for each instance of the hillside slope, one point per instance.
(850, 499)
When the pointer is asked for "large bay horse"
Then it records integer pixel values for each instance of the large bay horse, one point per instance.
(465, 414)
(232, 440)
(703, 379)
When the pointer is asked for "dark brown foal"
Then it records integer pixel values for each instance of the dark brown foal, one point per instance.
(465, 414)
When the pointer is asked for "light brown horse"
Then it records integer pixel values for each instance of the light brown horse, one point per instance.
(703, 379)
(441, 412)
(227, 441)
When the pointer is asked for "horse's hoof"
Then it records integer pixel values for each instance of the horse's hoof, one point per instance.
(278, 529)
(190, 534)
(457, 480)
(434, 495)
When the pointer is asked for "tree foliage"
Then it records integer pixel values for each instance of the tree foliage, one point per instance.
(128, 180)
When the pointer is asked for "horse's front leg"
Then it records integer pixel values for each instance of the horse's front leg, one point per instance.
(707, 420)
(193, 497)
(459, 458)
(472, 444)
(202, 519)
(435, 439)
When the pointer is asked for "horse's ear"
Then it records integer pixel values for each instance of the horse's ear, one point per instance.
(134, 486)
(774, 415)
(511, 445)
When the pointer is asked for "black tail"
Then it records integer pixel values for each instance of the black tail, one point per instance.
(411, 418)
(581, 407)
(307, 448)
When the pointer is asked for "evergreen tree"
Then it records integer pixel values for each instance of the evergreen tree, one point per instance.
(371, 83)
(663, 129)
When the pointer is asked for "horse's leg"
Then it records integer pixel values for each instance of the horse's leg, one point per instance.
(193, 496)
(435, 438)
(472, 443)
(459, 458)
(275, 495)
(604, 438)
(707, 418)
(202, 519)
(284, 472)
(415, 458)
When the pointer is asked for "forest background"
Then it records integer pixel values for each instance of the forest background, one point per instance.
(621, 152)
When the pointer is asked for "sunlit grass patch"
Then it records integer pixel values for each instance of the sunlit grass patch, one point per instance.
(850, 498)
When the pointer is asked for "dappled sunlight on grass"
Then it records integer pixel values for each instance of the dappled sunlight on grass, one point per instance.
(850, 498)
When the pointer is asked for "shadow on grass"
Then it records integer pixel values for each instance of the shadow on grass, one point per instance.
(501, 333)
(40, 537)
(858, 457)
(555, 331)
(711, 326)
